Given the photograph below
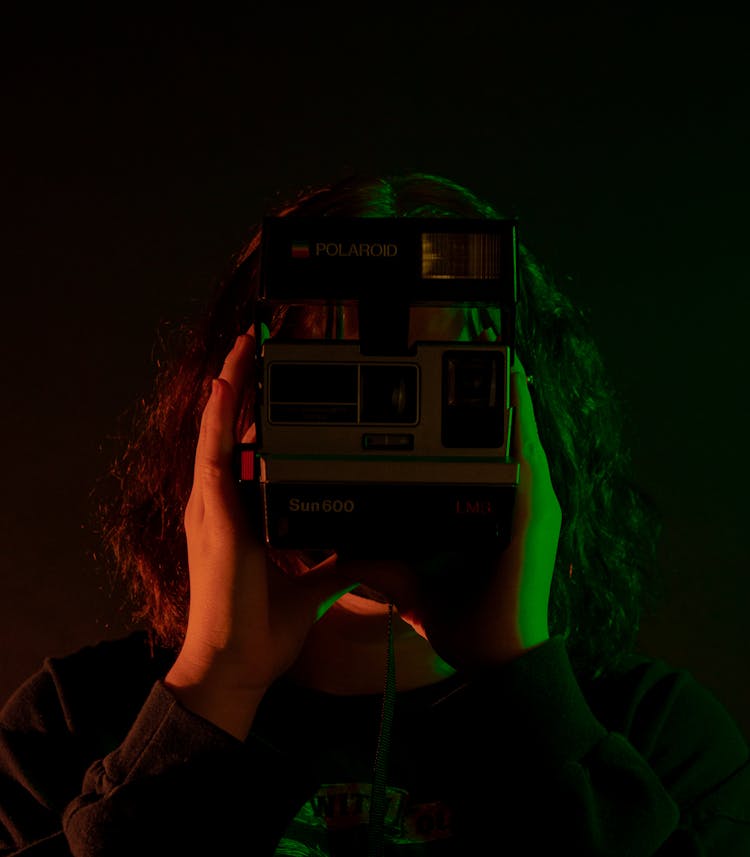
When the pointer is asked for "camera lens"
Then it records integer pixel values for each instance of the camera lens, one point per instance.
(388, 394)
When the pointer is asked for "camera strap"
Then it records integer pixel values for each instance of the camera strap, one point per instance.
(378, 795)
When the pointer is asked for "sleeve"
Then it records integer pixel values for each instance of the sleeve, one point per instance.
(555, 780)
(176, 784)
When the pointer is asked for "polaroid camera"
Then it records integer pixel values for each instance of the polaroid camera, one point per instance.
(376, 446)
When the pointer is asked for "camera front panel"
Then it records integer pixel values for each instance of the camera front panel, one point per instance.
(448, 401)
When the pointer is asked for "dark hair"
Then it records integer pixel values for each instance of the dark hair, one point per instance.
(606, 562)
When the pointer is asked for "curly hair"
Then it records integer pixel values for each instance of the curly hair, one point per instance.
(605, 573)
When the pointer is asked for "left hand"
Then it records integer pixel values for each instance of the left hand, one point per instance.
(506, 615)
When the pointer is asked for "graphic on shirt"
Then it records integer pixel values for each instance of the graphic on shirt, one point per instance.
(334, 823)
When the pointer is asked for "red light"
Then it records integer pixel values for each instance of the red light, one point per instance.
(247, 465)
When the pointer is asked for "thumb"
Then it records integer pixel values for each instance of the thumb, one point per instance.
(325, 587)
(330, 594)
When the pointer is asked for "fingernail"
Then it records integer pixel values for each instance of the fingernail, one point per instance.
(238, 343)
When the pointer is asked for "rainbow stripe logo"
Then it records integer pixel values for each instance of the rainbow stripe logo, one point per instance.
(300, 250)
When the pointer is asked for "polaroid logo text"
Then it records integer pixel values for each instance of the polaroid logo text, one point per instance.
(360, 250)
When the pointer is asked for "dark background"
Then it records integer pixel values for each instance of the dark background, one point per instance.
(138, 152)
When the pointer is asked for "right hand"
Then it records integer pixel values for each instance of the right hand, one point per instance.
(247, 621)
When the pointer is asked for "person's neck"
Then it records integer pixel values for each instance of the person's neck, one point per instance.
(345, 652)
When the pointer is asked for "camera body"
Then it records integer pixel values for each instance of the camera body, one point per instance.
(378, 443)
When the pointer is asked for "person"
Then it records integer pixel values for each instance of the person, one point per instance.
(249, 710)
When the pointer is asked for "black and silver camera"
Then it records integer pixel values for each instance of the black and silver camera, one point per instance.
(374, 444)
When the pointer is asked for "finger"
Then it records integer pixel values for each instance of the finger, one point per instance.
(525, 443)
(239, 363)
(195, 502)
(526, 447)
(213, 464)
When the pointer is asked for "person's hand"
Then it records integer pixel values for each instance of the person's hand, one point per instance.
(247, 620)
(508, 616)
(487, 610)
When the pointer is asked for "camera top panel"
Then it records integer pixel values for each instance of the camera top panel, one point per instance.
(434, 261)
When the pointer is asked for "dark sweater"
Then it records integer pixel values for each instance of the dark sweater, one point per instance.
(98, 758)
